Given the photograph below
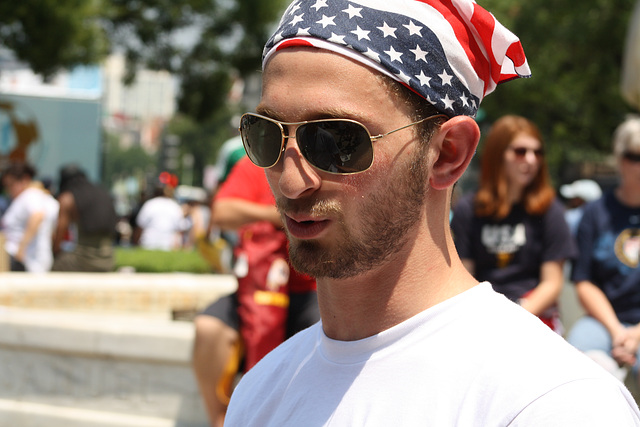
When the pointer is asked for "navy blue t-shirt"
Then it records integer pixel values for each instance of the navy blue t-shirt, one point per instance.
(509, 253)
(609, 244)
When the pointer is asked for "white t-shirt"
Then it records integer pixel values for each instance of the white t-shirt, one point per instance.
(476, 359)
(161, 220)
(39, 255)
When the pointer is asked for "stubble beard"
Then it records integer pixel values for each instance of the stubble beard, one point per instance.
(385, 218)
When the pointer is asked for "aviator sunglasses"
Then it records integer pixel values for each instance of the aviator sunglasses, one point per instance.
(338, 146)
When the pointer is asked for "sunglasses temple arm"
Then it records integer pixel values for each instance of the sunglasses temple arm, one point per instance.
(374, 138)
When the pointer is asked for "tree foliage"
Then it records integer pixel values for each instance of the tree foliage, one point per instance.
(121, 162)
(206, 43)
(201, 140)
(53, 34)
(575, 54)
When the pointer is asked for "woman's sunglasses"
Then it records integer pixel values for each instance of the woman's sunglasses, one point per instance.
(632, 157)
(521, 152)
(339, 146)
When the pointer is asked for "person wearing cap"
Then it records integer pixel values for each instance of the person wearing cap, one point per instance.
(511, 232)
(364, 125)
(607, 271)
(577, 194)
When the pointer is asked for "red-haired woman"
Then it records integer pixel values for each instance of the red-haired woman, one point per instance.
(512, 232)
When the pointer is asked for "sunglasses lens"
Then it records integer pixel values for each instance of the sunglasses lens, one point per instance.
(262, 140)
(336, 146)
(521, 152)
(632, 157)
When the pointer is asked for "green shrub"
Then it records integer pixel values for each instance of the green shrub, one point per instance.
(148, 261)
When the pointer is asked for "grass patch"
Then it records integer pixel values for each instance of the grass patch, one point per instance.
(148, 261)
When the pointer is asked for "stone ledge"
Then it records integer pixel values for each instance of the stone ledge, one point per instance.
(75, 369)
(99, 335)
(114, 292)
(26, 414)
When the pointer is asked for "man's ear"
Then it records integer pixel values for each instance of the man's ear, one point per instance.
(455, 145)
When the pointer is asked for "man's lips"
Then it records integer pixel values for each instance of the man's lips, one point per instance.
(306, 228)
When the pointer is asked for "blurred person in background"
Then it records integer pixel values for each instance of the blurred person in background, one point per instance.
(229, 154)
(512, 231)
(272, 302)
(607, 271)
(196, 212)
(132, 218)
(576, 195)
(89, 210)
(219, 245)
(29, 221)
(160, 218)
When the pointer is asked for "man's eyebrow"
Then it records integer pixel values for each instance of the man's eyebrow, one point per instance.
(264, 111)
(331, 113)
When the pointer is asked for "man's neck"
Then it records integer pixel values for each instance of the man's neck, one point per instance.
(370, 303)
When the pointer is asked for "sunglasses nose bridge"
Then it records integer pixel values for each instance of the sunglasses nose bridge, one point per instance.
(289, 132)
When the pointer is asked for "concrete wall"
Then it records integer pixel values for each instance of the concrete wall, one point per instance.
(80, 349)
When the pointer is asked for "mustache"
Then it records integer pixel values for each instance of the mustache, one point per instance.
(312, 206)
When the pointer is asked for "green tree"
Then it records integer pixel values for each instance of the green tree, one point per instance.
(53, 34)
(226, 41)
(200, 140)
(205, 43)
(575, 54)
(119, 162)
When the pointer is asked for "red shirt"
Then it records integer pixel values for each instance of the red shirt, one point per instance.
(248, 182)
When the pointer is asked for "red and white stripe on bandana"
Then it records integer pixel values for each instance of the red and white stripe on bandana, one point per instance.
(450, 52)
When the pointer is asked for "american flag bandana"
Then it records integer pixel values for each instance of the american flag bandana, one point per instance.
(450, 52)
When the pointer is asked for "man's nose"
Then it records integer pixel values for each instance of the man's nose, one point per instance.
(298, 178)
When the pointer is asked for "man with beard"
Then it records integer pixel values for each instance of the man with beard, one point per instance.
(407, 336)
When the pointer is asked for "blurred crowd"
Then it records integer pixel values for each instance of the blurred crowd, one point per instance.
(70, 223)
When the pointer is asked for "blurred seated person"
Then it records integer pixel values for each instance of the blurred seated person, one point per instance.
(607, 271)
(512, 232)
(160, 218)
(577, 194)
(272, 302)
(90, 210)
(193, 201)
